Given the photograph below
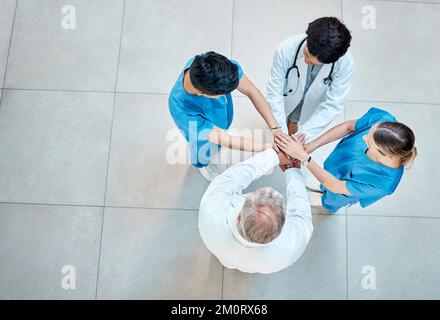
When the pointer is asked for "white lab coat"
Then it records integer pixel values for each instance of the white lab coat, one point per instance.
(322, 103)
(223, 201)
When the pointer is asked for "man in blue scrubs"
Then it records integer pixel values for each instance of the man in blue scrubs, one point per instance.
(202, 108)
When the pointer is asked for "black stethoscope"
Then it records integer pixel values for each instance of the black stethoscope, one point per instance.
(327, 81)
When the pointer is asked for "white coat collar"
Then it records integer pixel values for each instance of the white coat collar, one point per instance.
(302, 66)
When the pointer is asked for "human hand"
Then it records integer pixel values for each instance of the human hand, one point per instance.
(283, 157)
(301, 137)
(310, 147)
(295, 164)
(278, 132)
(291, 146)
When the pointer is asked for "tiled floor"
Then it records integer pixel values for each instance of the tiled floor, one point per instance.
(84, 131)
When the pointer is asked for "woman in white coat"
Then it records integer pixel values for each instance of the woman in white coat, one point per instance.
(310, 78)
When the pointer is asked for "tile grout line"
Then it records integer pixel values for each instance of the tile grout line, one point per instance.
(195, 209)
(9, 50)
(109, 150)
(223, 282)
(232, 28)
(93, 206)
(342, 10)
(58, 90)
(401, 1)
(85, 91)
(237, 96)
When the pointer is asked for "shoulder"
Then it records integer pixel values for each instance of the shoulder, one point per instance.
(346, 62)
(239, 67)
(379, 114)
(236, 63)
(372, 116)
(298, 229)
(176, 99)
(289, 45)
(189, 62)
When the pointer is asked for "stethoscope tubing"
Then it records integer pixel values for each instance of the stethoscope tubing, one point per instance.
(327, 81)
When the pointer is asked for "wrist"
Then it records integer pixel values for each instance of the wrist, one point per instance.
(315, 144)
(303, 157)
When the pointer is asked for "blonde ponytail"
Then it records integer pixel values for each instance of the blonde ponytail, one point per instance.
(398, 140)
(408, 159)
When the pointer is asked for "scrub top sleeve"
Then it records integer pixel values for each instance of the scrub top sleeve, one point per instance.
(373, 116)
(198, 128)
(364, 190)
(189, 62)
(240, 70)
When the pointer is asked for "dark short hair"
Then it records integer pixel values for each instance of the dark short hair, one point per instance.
(328, 39)
(213, 74)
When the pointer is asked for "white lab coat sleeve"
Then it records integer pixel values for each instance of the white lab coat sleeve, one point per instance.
(275, 87)
(238, 177)
(333, 106)
(298, 209)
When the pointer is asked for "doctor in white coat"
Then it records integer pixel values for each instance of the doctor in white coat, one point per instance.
(256, 232)
(310, 78)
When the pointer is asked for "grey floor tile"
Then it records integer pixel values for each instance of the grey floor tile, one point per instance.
(418, 189)
(399, 252)
(388, 63)
(54, 146)
(44, 55)
(37, 242)
(319, 274)
(7, 9)
(142, 171)
(156, 254)
(159, 37)
(259, 28)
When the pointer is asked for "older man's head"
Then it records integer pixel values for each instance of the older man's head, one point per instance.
(262, 216)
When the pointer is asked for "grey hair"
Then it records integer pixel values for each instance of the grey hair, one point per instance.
(262, 216)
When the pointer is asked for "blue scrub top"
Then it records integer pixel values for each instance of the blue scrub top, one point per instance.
(367, 180)
(196, 116)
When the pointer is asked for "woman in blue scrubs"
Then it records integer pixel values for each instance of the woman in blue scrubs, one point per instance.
(366, 165)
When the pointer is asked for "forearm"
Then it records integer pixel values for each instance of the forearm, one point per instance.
(240, 143)
(253, 93)
(263, 108)
(298, 203)
(241, 175)
(334, 134)
(327, 179)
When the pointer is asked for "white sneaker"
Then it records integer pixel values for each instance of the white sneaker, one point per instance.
(209, 172)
